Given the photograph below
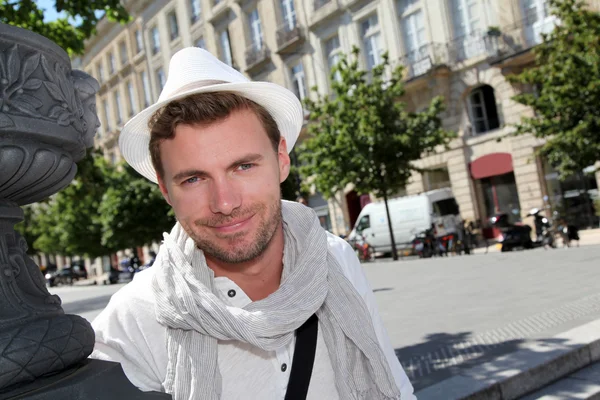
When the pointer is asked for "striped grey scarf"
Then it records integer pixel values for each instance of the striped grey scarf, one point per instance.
(312, 282)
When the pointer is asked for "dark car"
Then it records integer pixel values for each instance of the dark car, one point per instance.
(67, 275)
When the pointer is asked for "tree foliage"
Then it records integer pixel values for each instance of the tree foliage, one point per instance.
(364, 134)
(105, 209)
(67, 223)
(133, 212)
(566, 89)
(70, 31)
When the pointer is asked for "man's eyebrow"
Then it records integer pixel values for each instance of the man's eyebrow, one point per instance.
(189, 172)
(246, 159)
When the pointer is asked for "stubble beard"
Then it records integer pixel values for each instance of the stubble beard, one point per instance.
(234, 252)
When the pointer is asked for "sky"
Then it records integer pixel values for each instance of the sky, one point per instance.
(50, 13)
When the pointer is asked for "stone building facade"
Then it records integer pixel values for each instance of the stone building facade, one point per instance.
(460, 49)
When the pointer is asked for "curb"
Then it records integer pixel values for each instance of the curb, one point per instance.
(511, 376)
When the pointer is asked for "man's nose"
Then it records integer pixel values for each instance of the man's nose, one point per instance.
(225, 196)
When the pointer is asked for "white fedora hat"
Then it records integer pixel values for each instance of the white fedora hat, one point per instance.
(194, 70)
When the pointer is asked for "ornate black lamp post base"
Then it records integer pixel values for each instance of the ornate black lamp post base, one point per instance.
(91, 379)
(47, 121)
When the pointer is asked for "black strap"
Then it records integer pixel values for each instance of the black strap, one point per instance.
(304, 359)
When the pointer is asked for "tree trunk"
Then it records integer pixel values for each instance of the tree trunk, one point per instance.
(387, 211)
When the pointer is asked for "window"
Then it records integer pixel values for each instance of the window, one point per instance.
(200, 43)
(112, 64)
(406, 5)
(131, 96)
(538, 20)
(195, 10)
(255, 29)
(445, 207)
(333, 52)
(413, 29)
(372, 41)
(160, 78)
(363, 223)
(414, 35)
(466, 21)
(299, 81)
(155, 40)
(534, 10)
(118, 108)
(106, 110)
(482, 104)
(173, 27)
(436, 178)
(146, 86)
(465, 17)
(225, 48)
(139, 41)
(100, 72)
(123, 52)
(289, 14)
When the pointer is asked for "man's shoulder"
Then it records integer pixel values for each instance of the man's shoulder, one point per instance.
(132, 305)
(138, 293)
(346, 257)
(339, 247)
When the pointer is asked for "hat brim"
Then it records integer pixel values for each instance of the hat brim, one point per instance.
(282, 105)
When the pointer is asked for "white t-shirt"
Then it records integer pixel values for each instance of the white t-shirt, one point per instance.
(127, 332)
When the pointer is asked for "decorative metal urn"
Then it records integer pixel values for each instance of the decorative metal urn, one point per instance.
(47, 121)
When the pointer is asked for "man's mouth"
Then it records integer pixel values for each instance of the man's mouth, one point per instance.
(233, 226)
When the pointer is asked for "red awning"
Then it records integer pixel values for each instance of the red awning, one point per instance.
(491, 165)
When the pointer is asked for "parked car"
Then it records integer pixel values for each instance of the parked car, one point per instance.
(66, 275)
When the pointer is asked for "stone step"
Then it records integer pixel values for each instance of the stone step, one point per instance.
(583, 384)
(534, 366)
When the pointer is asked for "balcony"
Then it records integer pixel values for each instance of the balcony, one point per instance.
(474, 45)
(515, 41)
(220, 11)
(256, 57)
(322, 10)
(288, 39)
(424, 59)
(319, 3)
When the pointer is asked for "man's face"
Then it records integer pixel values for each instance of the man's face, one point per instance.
(222, 181)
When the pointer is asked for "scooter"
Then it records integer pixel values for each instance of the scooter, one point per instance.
(512, 235)
(543, 229)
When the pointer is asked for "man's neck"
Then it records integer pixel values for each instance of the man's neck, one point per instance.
(260, 277)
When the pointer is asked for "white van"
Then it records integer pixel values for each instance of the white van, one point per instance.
(410, 215)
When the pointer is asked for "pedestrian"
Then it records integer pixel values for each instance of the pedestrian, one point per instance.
(248, 297)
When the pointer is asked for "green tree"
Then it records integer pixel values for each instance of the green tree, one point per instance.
(68, 223)
(364, 135)
(566, 89)
(70, 31)
(133, 212)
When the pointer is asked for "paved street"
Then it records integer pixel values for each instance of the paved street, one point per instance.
(451, 313)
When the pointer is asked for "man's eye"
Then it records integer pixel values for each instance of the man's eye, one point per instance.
(193, 179)
(245, 167)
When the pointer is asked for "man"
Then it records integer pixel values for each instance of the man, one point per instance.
(241, 271)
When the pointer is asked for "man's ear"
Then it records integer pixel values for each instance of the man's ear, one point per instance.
(163, 189)
(284, 160)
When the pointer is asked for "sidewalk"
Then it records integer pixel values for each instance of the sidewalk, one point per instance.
(537, 364)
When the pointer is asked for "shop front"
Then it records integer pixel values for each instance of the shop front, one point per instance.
(496, 188)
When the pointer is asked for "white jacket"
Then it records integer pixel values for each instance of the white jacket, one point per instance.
(127, 332)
